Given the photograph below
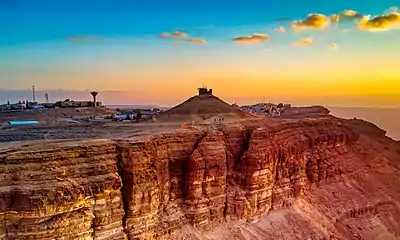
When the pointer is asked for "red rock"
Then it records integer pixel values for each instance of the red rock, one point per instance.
(318, 179)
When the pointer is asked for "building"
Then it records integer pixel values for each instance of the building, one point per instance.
(13, 106)
(67, 103)
(215, 119)
(267, 109)
(204, 91)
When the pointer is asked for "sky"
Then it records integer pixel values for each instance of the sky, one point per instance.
(161, 51)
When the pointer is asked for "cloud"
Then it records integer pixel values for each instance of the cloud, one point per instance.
(197, 40)
(165, 35)
(349, 15)
(179, 34)
(280, 29)
(391, 10)
(346, 15)
(335, 18)
(313, 21)
(84, 39)
(334, 46)
(380, 23)
(176, 34)
(304, 42)
(255, 38)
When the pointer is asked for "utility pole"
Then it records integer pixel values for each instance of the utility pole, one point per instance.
(33, 94)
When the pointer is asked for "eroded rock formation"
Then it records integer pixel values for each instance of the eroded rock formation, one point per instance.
(320, 179)
(69, 190)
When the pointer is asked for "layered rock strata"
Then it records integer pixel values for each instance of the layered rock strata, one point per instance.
(157, 187)
(68, 190)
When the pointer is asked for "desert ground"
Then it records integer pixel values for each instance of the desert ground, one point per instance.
(197, 112)
(52, 126)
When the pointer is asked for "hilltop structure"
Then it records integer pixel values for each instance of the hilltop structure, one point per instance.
(203, 107)
(204, 91)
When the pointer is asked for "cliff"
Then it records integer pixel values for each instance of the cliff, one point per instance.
(62, 189)
(317, 179)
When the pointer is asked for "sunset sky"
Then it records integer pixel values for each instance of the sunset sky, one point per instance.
(128, 51)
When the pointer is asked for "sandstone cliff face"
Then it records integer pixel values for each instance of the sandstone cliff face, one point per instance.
(65, 191)
(190, 185)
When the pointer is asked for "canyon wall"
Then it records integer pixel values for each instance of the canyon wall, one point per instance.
(202, 180)
(68, 190)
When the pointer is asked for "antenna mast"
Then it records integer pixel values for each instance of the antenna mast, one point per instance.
(33, 94)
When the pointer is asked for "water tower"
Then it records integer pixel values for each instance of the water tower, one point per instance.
(94, 94)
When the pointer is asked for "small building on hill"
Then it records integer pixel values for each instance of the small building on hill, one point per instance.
(204, 91)
(203, 107)
(215, 119)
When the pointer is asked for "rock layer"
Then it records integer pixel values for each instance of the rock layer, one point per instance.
(66, 189)
(317, 173)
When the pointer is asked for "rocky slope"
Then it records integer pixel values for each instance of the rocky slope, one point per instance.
(315, 179)
(202, 107)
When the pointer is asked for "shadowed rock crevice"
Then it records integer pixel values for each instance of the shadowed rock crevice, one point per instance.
(126, 178)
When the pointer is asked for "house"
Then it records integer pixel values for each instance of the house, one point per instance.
(215, 119)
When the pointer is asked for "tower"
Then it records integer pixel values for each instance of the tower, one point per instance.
(33, 94)
(94, 94)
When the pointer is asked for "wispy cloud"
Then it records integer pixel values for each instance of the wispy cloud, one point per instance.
(179, 34)
(165, 35)
(346, 15)
(391, 10)
(304, 42)
(280, 29)
(197, 40)
(255, 38)
(175, 34)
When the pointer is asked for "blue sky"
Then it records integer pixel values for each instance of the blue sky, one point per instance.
(125, 53)
(28, 21)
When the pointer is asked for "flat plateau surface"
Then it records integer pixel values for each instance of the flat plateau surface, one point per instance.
(108, 130)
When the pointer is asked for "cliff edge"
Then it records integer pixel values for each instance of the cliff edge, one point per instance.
(322, 178)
